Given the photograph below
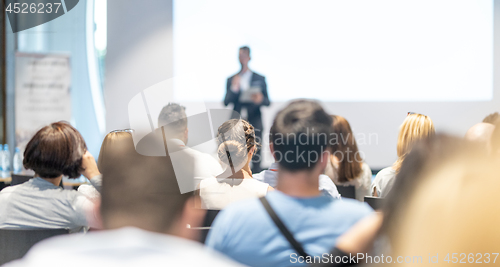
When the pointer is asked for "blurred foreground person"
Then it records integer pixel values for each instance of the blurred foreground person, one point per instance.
(144, 215)
(426, 154)
(480, 134)
(426, 157)
(40, 203)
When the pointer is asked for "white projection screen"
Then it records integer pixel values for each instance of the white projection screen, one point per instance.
(369, 61)
(339, 50)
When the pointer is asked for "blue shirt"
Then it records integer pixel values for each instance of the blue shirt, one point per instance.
(245, 232)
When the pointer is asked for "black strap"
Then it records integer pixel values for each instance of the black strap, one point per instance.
(296, 245)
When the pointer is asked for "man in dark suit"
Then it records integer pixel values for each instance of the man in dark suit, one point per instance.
(247, 90)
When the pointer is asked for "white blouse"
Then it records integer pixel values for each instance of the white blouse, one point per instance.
(217, 193)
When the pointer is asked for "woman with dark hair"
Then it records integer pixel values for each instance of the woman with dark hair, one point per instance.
(346, 166)
(55, 150)
(237, 145)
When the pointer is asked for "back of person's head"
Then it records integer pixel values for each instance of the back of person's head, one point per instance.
(173, 118)
(139, 191)
(235, 138)
(493, 118)
(246, 49)
(425, 154)
(451, 210)
(415, 127)
(113, 144)
(480, 134)
(55, 150)
(345, 148)
(300, 135)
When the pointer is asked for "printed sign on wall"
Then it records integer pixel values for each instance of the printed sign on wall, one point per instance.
(43, 83)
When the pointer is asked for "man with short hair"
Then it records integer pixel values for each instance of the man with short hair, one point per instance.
(245, 231)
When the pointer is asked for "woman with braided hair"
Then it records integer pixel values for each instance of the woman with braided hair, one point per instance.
(236, 147)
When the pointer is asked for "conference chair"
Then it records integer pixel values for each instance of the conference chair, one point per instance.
(347, 191)
(206, 226)
(14, 244)
(375, 202)
(19, 179)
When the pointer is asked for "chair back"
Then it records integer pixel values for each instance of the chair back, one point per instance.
(375, 202)
(207, 224)
(347, 191)
(19, 179)
(14, 244)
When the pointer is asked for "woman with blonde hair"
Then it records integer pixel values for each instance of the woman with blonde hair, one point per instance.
(236, 147)
(415, 127)
(346, 166)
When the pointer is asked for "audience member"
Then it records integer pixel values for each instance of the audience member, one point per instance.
(414, 128)
(346, 166)
(237, 145)
(56, 150)
(480, 134)
(450, 216)
(493, 118)
(245, 231)
(144, 216)
(270, 175)
(174, 121)
(425, 154)
(495, 141)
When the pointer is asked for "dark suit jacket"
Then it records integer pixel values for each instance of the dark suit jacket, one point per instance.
(254, 115)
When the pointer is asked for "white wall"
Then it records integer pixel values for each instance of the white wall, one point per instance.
(140, 55)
